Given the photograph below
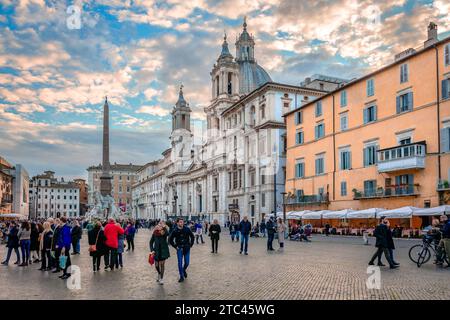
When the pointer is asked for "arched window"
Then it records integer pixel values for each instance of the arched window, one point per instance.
(217, 86)
(229, 86)
(252, 116)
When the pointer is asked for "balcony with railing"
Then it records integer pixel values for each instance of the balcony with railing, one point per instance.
(443, 185)
(308, 199)
(404, 157)
(388, 192)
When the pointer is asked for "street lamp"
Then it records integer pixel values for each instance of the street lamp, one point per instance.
(283, 194)
(154, 205)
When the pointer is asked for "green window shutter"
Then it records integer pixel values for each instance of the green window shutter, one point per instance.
(445, 140)
(445, 89)
(398, 104)
(366, 115)
(410, 101)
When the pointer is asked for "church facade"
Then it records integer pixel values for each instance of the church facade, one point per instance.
(237, 167)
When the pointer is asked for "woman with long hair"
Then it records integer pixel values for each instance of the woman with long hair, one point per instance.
(45, 246)
(159, 247)
(96, 239)
(24, 241)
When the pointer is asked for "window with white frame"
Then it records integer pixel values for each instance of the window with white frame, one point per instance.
(343, 117)
(298, 117)
(445, 137)
(320, 130)
(445, 89)
(370, 114)
(343, 188)
(318, 108)
(320, 164)
(299, 137)
(404, 102)
(345, 158)
(370, 154)
(343, 98)
(404, 76)
(370, 87)
(447, 55)
(300, 168)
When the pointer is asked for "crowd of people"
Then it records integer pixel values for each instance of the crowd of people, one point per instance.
(52, 241)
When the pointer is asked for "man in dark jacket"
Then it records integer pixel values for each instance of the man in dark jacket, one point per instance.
(76, 234)
(182, 239)
(244, 228)
(63, 243)
(270, 234)
(263, 228)
(12, 244)
(381, 236)
(56, 234)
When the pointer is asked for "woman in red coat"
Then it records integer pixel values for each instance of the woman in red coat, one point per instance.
(111, 232)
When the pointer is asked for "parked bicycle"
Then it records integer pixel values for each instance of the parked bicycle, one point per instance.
(421, 253)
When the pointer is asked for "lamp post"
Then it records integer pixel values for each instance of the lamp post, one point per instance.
(154, 213)
(175, 197)
(283, 194)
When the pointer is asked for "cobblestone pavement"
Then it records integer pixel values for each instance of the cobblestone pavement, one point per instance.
(326, 268)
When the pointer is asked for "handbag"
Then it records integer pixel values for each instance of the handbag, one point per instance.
(151, 259)
(93, 247)
(62, 262)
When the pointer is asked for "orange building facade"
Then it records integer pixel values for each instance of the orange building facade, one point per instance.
(380, 141)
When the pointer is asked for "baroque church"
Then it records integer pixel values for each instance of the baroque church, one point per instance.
(238, 167)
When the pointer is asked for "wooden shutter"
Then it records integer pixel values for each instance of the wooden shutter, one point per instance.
(447, 55)
(375, 116)
(398, 104)
(410, 101)
(366, 157)
(445, 140)
(445, 89)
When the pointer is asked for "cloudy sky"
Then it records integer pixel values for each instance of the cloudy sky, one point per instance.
(56, 69)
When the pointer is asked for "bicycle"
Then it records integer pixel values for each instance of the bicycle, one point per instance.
(421, 253)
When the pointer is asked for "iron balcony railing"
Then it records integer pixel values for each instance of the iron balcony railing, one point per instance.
(443, 185)
(309, 199)
(392, 191)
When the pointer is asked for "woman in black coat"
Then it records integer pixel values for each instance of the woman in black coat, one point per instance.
(34, 243)
(390, 242)
(45, 246)
(96, 240)
(214, 233)
(12, 244)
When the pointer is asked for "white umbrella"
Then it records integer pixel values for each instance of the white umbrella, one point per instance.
(445, 209)
(296, 214)
(313, 215)
(365, 214)
(341, 214)
(403, 212)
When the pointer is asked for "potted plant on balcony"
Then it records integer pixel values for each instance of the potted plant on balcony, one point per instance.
(445, 184)
(356, 194)
(380, 191)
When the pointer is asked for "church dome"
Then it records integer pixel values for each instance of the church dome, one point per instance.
(251, 76)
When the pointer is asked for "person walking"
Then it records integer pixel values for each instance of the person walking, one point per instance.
(182, 239)
(281, 229)
(263, 227)
(45, 245)
(12, 243)
(327, 229)
(24, 242)
(56, 226)
(76, 234)
(96, 240)
(270, 234)
(120, 249)
(34, 243)
(159, 247)
(130, 232)
(446, 236)
(63, 243)
(244, 228)
(214, 233)
(111, 231)
(199, 232)
(390, 242)
(232, 231)
(382, 245)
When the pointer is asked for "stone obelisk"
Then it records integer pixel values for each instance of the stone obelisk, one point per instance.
(105, 178)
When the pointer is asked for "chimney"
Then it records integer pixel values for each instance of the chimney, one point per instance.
(432, 35)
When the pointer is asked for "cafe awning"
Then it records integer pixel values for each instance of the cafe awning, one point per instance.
(365, 214)
(403, 212)
(445, 209)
